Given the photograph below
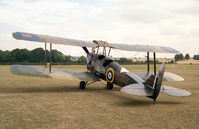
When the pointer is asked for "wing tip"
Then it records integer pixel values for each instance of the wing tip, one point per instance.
(15, 35)
(14, 69)
(170, 50)
(25, 36)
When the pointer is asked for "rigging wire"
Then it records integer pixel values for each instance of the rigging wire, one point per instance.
(62, 66)
(120, 53)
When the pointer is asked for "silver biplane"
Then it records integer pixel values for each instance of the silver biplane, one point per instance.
(100, 66)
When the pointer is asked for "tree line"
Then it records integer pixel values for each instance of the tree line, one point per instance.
(186, 57)
(37, 56)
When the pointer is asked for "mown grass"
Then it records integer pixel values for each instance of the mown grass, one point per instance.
(30, 102)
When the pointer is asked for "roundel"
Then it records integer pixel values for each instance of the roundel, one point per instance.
(110, 75)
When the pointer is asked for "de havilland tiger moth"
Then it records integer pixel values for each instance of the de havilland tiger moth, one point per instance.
(100, 66)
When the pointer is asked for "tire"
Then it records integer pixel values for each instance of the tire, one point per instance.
(82, 85)
(109, 86)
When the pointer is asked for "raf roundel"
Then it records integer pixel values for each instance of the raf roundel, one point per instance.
(26, 35)
(110, 75)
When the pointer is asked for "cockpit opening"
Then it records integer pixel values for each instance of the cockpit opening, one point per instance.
(107, 62)
(100, 57)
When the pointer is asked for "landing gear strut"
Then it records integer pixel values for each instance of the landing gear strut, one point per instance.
(109, 85)
(154, 101)
(82, 85)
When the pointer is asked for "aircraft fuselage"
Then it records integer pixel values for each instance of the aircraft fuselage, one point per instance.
(109, 70)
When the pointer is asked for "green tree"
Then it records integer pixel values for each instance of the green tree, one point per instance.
(187, 56)
(196, 57)
(67, 59)
(82, 60)
(37, 55)
(5, 56)
(1, 55)
(57, 56)
(179, 57)
(124, 61)
(20, 55)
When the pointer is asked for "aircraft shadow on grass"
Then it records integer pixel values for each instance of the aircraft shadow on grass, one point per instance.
(123, 100)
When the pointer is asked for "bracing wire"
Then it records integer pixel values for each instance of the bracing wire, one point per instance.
(125, 55)
(61, 66)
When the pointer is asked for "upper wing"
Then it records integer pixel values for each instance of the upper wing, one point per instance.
(51, 39)
(144, 48)
(55, 73)
(168, 76)
(74, 42)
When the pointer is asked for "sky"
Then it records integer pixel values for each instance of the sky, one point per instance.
(173, 23)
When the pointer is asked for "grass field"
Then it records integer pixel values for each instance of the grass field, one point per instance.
(33, 103)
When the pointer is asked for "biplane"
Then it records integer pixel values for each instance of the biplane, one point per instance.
(100, 66)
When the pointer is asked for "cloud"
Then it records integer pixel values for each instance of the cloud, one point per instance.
(170, 23)
(145, 11)
(155, 22)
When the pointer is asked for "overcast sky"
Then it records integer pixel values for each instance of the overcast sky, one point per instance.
(173, 23)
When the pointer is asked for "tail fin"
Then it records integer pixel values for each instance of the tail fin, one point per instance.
(153, 83)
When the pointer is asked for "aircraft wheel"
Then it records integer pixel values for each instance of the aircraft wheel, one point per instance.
(109, 85)
(82, 85)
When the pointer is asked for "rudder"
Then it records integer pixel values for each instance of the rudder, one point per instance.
(153, 83)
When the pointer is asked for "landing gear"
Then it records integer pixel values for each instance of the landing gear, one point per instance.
(82, 85)
(154, 101)
(109, 85)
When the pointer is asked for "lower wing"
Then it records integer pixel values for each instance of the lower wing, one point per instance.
(55, 73)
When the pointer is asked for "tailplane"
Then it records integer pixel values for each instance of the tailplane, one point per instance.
(153, 86)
